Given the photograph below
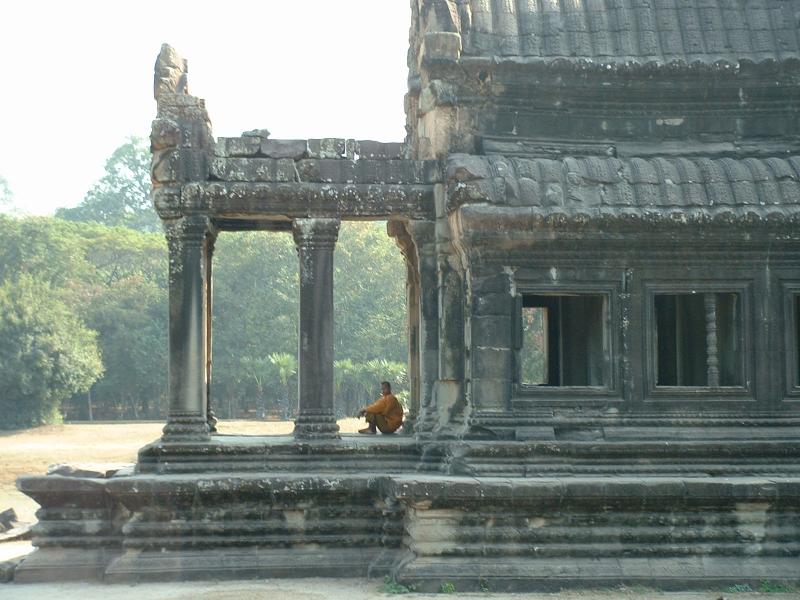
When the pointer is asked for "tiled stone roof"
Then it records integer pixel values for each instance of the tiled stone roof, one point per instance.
(597, 187)
(614, 31)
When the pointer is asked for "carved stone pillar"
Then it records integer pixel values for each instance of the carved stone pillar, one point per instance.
(315, 240)
(422, 233)
(399, 231)
(188, 240)
(211, 417)
(712, 346)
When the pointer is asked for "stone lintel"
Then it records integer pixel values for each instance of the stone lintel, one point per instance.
(300, 200)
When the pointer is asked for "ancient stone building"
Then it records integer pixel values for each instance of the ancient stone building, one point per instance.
(598, 205)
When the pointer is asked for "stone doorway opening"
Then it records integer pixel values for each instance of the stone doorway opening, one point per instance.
(370, 317)
(255, 316)
(254, 324)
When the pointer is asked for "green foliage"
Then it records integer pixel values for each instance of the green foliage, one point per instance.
(534, 344)
(46, 356)
(256, 292)
(115, 278)
(769, 587)
(6, 197)
(369, 295)
(357, 384)
(739, 588)
(49, 249)
(447, 588)
(99, 258)
(766, 587)
(131, 318)
(391, 586)
(122, 195)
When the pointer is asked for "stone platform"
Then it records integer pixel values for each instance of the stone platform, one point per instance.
(514, 515)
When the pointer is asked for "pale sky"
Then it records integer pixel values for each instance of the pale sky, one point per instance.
(78, 78)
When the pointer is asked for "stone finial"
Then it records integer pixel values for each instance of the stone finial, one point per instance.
(170, 73)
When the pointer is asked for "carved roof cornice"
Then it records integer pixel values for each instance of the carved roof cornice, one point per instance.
(450, 67)
(638, 193)
(606, 32)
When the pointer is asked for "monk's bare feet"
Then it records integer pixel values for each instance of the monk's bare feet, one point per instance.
(367, 430)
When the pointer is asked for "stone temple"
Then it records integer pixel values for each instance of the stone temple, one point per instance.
(598, 203)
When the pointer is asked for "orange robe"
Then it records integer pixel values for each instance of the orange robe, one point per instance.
(390, 408)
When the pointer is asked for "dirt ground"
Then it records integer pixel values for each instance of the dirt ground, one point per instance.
(32, 451)
(323, 589)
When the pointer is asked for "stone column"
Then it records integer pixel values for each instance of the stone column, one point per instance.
(211, 417)
(399, 231)
(315, 240)
(188, 239)
(450, 398)
(712, 347)
(422, 233)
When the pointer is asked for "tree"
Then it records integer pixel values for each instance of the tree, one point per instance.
(117, 276)
(130, 316)
(122, 195)
(49, 249)
(47, 354)
(369, 295)
(6, 197)
(285, 366)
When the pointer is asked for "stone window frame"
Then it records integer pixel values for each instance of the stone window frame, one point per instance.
(791, 388)
(611, 390)
(655, 392)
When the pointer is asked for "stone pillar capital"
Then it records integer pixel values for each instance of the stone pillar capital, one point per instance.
(314, 233)
(192, 229)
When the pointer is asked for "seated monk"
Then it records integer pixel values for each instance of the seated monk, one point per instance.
(385, 413)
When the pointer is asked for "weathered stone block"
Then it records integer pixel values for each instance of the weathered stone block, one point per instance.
(167, 202)
(491, 363)
(285, 170)
(327, 148)
(491, 394)
(243, 169)
(440, 45)
(388, 171)
(492, 331)
(370, 149)
(294, 149)
(492, 304)
(164, 133)
(334, 170)
(237, 147)
(464, 167)
(166, 167)
(488, 283)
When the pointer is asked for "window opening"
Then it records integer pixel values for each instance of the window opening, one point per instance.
(564, 340)
(698, 339)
